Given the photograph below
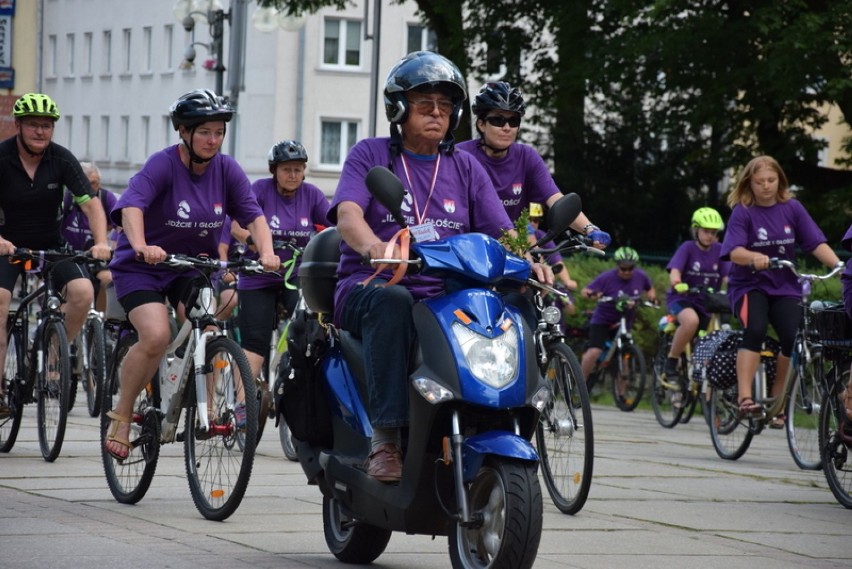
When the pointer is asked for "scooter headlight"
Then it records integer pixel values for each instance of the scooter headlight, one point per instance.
(493, 361)
(432, 391)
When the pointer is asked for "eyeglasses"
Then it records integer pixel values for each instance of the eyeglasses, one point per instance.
(626, 268)
(500, 121)
(35, 126)
(427, 106)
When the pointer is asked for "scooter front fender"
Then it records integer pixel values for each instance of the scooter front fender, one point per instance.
(498, 443)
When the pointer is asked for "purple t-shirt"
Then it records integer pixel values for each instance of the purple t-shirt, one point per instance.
(774, 231)
(846, 277)
(182, 213)
(293, 218)
(610, 284)
(463, 201)
(75, 224)
(520, 177)
(698, 268)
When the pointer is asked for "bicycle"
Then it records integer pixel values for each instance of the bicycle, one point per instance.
(565, 434)
(89, 364)
(835, 429)
(675, 399)
(217, 468)
(39, 373)
(801, 392)
(621, 359)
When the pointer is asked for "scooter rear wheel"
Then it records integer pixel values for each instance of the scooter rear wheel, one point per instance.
(349, 540)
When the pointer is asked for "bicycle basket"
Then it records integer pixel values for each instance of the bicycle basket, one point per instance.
(832, 323)
(717, 303)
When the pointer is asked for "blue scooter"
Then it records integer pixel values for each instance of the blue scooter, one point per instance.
(475, 396)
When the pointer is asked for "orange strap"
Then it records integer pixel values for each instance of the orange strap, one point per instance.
(404, 238)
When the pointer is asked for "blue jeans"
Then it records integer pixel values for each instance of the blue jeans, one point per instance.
(381, 318)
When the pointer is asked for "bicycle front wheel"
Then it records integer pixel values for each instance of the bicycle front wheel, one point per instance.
(803, 415)
(217, 467)
(668, 393)
(129, 479)
(13, 378)
(836, 445)
(54, 389)
(731, 435)
(94, 376)
(565, 438)
(628, 377)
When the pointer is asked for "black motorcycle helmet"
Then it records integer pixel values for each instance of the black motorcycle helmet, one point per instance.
(423, 69)
(286, 151)
(498, 95)
(200, 106)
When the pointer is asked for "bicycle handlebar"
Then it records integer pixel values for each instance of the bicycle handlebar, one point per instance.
(49, 255)
(776, 263)
(574, 244)
(210, 264)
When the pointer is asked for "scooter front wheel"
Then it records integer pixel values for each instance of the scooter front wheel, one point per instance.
(506, 503)
(349, 540)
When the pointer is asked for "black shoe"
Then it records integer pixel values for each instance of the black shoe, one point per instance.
(670, 369)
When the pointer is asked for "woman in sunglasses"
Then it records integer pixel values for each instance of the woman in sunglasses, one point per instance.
(517, 171)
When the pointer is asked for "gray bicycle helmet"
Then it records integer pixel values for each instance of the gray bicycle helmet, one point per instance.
(199, 106)
(498, 95)
(285, 151)
(423, 69)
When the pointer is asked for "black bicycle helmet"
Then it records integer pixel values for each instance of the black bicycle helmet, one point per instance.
(423, 69)
(199, 106)
(498, 95)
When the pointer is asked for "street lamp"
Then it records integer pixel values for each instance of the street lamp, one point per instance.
(188, 12)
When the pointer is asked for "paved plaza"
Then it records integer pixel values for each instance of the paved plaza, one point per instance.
(660, 498)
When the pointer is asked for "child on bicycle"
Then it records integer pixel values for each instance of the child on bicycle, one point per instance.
(562, 279)
(695, 265)
(625, 278)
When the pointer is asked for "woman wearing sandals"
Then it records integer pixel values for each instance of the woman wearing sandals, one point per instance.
(766, 222)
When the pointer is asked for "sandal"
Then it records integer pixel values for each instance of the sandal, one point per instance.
(778, 421)
(748, 407)
(845, 397)
(112, 435)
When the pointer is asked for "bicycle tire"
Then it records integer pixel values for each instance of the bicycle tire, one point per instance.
(665, 392)
(129, 479)
(730, 434)
(564, 437)
(628, 392)
(94, 376)
(13, 379)
(217, 469)
(836, 454)
(691, 402)
(54, 387)
(803, 404)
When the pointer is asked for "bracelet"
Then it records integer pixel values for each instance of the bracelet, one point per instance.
(588, 228)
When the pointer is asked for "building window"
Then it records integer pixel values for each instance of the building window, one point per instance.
(124, 151)
(68, 127)
(146, 49)
(69, 54)
(87, 53)
(51, 56)
(146, 136)
(342, 43)
(87, 137)
(105, 138)
(106, 53)
(421, 38)
(125, 54)
(169, 46)
(337, 137)
(168, 128)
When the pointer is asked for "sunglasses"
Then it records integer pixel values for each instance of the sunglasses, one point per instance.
(500, 121)
(626, 268)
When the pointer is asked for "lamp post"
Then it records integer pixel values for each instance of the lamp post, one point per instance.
(187, 13)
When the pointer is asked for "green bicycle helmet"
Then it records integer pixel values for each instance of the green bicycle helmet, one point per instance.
(35, 105)
(625, 255)
(707, 218)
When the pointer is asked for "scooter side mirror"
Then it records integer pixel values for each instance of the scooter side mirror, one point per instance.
(386, 187)
(560, 216)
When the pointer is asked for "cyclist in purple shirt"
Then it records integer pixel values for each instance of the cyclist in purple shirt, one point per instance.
(625, 278)
(766, 222)
(448, 193)
(176, 203)
(695, 265)
(295, 211)
(517, 171)
(846, 280)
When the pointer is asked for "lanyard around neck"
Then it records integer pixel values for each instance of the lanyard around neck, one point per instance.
(421, 216)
